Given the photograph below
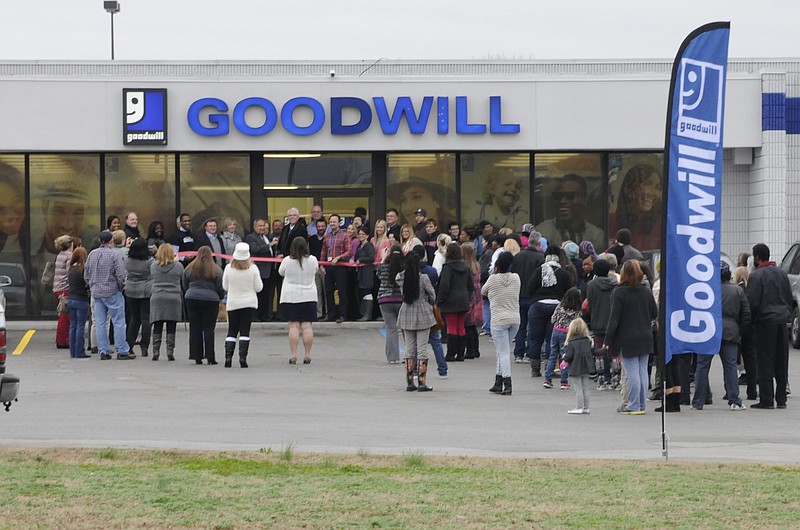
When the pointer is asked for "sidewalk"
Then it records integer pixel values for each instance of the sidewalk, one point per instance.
(350, 400)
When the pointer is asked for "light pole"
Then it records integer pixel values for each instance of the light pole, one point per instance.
(112, 7)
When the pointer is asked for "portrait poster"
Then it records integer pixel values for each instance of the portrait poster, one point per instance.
(495, 187)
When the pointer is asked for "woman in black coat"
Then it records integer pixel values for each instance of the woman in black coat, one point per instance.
(629, 330)
(453, 299)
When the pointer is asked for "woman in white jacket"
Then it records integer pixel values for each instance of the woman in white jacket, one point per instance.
(242, 281)
(299, 297)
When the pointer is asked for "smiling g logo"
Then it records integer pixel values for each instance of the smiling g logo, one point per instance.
(144, 113)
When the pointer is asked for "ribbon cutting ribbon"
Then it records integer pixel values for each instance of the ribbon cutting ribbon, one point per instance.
(193, 253)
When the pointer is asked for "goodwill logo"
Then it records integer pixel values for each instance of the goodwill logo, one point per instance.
(700, 104)
(144, 116)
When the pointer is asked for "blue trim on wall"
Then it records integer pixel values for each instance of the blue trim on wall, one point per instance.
(779, 113)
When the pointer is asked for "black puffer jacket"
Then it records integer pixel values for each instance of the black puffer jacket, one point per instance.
(455, 287)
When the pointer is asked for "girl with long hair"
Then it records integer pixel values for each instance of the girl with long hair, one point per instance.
(390, 299)
(416, 319)
(299, 297)
(502, 290)
(407, 239)
(138, 289)
(202, 285)
(567, 310)
(474, 319)
(380, 240)
(242, 281)
(166, 300)
(453, 298)
(630, 331)
(77, 304)
(64, 245)
(442, 240)
(578, 358)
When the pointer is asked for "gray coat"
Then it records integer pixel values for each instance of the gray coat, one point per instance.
(418, 315)
(166, 301)
(140, 282)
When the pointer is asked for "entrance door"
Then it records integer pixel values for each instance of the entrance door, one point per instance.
(332, 201)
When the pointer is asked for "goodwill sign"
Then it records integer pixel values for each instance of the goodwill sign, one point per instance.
(690, 296)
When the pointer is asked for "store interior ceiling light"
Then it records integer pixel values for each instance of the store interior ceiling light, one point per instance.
(292, 155)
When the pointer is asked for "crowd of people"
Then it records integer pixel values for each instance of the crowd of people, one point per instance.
(564, 309)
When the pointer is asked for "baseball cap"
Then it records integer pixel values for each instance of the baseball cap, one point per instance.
(420, 211)
(106, 236)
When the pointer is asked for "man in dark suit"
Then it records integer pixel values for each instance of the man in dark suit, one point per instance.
(295, 227)
(208, 237)
(261, 246)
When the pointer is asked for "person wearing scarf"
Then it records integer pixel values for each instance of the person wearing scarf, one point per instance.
(545, 288)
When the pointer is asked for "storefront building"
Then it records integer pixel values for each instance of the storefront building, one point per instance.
(573, 147)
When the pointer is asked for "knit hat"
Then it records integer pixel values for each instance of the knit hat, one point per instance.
(724, 267)
(587, 249)
(241, 252)
(571, 250)
(527, 228)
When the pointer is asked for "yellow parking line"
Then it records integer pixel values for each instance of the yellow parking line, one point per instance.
(24, 342)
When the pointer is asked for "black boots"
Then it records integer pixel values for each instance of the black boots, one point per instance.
(410, 364)
(472, 343)
(366, 310)
(230, 347)
(498, 385)
(672, 403)
(170, 346)
(244, 347)
(452, 348)
(156, 345)
(506, 387)
(422, 372)
(536, 368)
(461, 346)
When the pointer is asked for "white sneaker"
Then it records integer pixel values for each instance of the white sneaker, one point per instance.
(734, 406)
(576, 411)
(586, 411)
(443, 376)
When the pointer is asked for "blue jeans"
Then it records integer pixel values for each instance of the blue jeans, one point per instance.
(728, 354)
(557, 339)
(78, 311)
(502, 336)
(435, 340)
(487, 317)
(540, 330)
(521, 340)
(115, 306)
(701, 380)
(636, 371)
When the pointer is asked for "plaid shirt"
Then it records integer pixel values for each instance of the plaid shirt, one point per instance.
(105, 272)
(335, 245)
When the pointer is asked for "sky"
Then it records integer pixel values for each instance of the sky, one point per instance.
(367, 30)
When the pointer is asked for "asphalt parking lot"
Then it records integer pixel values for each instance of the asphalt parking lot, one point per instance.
(350, 400)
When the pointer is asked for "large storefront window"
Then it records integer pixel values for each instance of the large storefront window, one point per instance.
(65, 200)
(293, 171)
(634, 197)
(145, 184)
(495, 187)
(422, 180)
(215, 186)
(14, 243)
(570, 200)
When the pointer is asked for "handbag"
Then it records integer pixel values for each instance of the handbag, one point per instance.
(439, 320)
(49, 273)
(62, 304)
